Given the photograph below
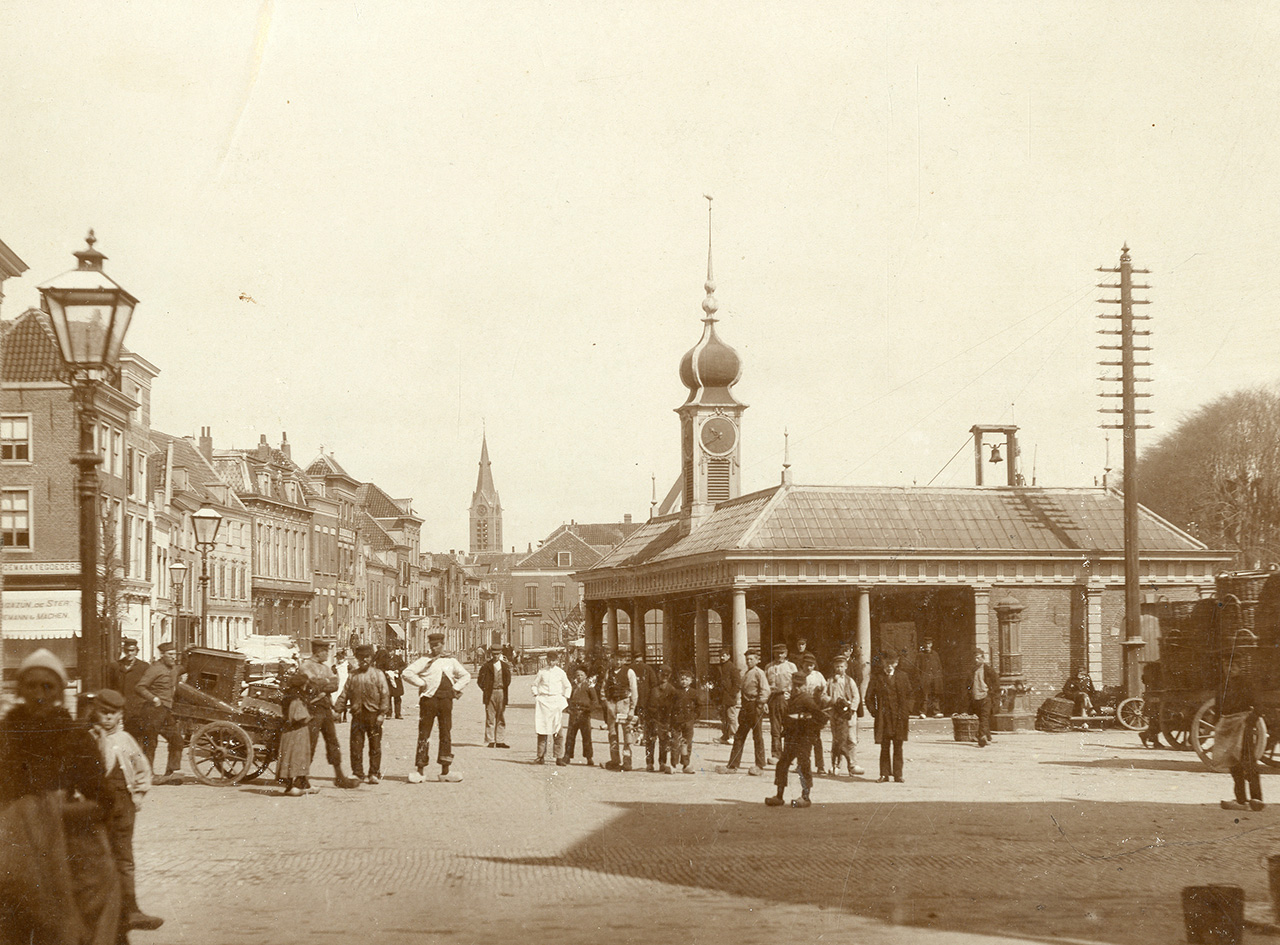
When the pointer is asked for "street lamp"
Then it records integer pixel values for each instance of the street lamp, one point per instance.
(177, 578)
(205, 521)
(90, 313)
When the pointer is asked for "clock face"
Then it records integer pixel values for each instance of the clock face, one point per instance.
(719, 436)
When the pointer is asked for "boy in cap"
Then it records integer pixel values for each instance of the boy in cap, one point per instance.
(778, 673)
(583, 703)
(842, 693)
(123, 676)
(128, 778)
(157, 688)
(683, 715)
(368, 695)
(440, 680)
(755, 701)
(802, 715)
(620, 692)
(815, 683)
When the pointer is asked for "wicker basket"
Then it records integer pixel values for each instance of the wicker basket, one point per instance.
(965, 727)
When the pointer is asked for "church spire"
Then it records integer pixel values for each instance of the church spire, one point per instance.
(486, 507)
(484, 480)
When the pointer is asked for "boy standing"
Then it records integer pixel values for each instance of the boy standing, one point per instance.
(440, 680)
(620, 693)
(802, 715)
(583, 703)
(778, 673)
(984, 686)
(842, 693)
(683, 715)
(368, 695)
(755, 701)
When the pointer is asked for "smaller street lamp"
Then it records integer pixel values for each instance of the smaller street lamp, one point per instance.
(177, 578)
(206, 521)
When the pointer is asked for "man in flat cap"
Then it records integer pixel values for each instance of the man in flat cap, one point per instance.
(156, 689)
(368, 694)
(322, 683)
(778, 673)
(440, 680)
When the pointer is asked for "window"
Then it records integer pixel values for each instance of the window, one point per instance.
(557, 595)
(531, 596)
(564, 559)
(15, 518)
(15, 439)
(117, 454)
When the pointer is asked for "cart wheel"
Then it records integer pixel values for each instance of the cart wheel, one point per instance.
(221, 753)
(1202, 728)
(1132, 715)
(262, 760)
(1175, 725)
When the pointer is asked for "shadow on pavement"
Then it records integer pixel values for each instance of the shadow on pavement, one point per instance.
(1038, 870)
(1185, 761)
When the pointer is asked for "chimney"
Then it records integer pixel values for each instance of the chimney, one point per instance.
(626, 519)
(264, 448)
(206, 443)
(284, 446)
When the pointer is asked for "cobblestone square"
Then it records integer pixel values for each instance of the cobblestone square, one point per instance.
(1084, 836)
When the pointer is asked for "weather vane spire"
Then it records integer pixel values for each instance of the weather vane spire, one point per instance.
(709, 304)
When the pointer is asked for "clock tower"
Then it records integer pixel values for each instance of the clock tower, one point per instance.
(710, 418)
(486, 508)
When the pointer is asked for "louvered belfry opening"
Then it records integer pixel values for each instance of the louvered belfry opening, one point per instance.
(717, 480)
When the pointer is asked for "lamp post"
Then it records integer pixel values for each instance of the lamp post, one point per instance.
(90, 313)
(205, 520)
(177, 578)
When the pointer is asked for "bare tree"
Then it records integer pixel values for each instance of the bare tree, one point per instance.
(567, 624)
(1218, 475)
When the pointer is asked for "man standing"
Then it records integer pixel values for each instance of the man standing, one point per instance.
(815, 683)
(440, 680)
(802, 714)
(728, 686)
(620, 694)
(930, 680)
(368, 695)
(322, 683)
(754, 696)
(494, 679)
(984, 685)
(156, 690)
(123, 677)
(779, 673)
(889, 700)
(551, 692)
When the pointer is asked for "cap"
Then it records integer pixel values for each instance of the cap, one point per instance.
(109, 699)
(435, 637)
(165, 647)
(43, 659)
(779, 648)
(364, 649)
(128, 643)
(808, 659)
(319, 645)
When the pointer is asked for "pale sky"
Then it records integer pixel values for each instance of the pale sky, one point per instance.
(378, 226)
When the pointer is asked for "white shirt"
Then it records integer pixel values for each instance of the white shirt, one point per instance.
(551, 692)
(427, 671)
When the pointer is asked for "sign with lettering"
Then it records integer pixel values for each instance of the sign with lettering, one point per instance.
(40, 615)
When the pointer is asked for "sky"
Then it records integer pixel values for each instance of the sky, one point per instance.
(387, 227)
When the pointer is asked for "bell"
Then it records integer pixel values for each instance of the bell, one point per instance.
(995, 454)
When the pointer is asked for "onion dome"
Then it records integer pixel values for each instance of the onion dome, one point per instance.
(710, 367)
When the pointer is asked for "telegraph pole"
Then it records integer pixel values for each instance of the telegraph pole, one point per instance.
(1129, 411)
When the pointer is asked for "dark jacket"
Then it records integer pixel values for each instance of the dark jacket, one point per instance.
(989, 676)
(661, 702)
(804, 717)
(646, 682)
(584, 700)
(487, 680)
(125, 682)
(683, 707)
(39, 754)
(930, 665)
(728, 681)
(888, 698)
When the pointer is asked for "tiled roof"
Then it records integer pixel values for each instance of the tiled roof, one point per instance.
(326, 465)
(601, 535)
(186, 455)
(373, 533)
(378, 504)
(544, 558)
(30, 350)
(887, 520)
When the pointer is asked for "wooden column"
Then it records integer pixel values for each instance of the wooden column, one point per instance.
(739, 631)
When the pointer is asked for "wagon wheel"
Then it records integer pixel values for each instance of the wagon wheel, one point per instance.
(262, 760)
(1175, 725)
(1131, 713)
(221, 753)
(1202, 728)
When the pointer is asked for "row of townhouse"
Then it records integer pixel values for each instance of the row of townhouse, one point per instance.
(304, 553)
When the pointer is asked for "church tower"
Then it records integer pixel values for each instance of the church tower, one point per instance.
(711, 417)
(486, 508)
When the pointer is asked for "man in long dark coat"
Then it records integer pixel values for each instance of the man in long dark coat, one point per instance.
(888, 699)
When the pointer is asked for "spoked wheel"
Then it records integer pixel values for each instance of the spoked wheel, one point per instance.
(1202, 729)
(221, 753)
(261, 762)
(1131, 713)
(1175, 725)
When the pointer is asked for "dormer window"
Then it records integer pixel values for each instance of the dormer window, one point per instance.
(564, 559)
